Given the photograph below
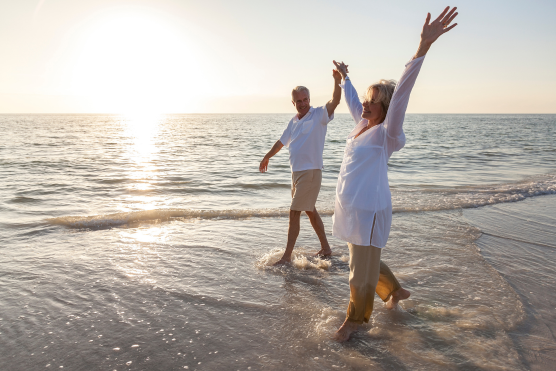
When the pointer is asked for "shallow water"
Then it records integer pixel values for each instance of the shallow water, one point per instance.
(147, 245)
(519, 240)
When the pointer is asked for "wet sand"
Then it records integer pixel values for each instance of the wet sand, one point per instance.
(519, 241)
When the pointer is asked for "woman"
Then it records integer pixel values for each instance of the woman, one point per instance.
(363, 210)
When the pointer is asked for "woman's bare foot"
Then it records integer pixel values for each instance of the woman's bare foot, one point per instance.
(324, 252)
(345, 331)
(398, 295)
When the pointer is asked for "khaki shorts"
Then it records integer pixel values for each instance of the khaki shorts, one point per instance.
(305, 189)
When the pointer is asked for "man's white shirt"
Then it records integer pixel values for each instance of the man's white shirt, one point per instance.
(305, 139)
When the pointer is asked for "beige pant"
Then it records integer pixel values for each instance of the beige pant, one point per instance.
(305, 189)
(367, 274)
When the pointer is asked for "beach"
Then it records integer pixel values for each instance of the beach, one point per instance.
(518, 240)
(147, 244)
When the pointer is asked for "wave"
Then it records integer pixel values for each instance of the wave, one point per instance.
(435, 199)
(118, 219)
(23, 199)
(404, 200)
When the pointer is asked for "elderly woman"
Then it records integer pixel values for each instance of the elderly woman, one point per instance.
(363, 210)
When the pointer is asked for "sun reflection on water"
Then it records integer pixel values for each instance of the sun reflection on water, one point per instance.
(139, 253)
(142, 132)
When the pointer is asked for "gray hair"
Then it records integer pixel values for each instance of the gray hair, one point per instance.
(300, 89)
(385, 89)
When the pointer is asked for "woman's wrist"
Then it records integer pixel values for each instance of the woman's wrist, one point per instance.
(422, 49)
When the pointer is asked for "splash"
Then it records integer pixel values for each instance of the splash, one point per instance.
(301, 259)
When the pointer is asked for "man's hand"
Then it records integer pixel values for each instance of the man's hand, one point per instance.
(337, 76)
(263, 167)
(342, 68)
(337, 93)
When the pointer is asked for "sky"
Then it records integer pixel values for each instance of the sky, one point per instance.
(245, 56)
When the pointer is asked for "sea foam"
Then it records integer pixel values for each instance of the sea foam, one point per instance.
(407, 200)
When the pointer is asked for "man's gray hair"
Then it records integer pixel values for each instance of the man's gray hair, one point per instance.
(300, 89)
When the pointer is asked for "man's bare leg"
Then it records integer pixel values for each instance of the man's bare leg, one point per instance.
(293, 232)
(399, 294)
(318, 226)
(345, 331)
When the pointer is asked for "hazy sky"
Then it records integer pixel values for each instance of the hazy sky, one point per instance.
(246, 55)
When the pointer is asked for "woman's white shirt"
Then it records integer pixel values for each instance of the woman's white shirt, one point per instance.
(362, 192)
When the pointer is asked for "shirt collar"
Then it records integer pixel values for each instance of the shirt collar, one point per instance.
(295, 119)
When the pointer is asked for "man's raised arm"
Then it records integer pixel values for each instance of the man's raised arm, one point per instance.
(336, 95)
(263, 167)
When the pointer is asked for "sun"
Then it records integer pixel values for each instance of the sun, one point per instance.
(135, 63)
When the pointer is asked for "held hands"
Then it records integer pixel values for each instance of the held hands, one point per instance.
(432, 31)
(341, 68)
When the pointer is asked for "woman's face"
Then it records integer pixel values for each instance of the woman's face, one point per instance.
(372, 110)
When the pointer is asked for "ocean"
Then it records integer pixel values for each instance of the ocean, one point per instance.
(146, 243)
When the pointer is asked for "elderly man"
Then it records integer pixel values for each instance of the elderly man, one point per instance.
(304, 137)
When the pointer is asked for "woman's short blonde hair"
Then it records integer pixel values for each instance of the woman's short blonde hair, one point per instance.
(385, 91)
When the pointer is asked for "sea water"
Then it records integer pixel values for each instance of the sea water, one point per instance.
(147, 243)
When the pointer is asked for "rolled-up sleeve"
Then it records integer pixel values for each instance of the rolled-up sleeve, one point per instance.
(352, 100)
(287, 135)
(324, 119)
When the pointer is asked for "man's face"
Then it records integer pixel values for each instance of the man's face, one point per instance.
(301, 102)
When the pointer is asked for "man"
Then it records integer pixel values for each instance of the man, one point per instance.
(304, 137)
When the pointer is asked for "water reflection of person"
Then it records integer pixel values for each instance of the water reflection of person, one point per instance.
(363, 210)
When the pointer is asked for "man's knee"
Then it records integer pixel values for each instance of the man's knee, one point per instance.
(295, 214)
(312, 214)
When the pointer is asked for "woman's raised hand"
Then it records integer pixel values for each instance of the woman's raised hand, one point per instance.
(441, 25)
(342, 68)
(433, 30)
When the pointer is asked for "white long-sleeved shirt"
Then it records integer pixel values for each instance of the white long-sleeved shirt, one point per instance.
(362, 192)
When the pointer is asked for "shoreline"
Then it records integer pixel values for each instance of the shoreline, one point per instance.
(518, 242)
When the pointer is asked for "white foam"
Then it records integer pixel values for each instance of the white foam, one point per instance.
(404, 200)
(427, 199)
(301, 259)
(328, 321)
(117, 219)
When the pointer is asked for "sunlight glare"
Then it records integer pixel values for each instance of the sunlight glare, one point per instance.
(142, 129)
(135, 63)
(142, 132)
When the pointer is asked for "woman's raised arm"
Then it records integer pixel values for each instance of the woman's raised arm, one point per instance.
(398, 105)
(352, 100)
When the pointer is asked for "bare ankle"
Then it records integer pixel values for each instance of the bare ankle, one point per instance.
(324, 252)
(345, 331)
(401, 294)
